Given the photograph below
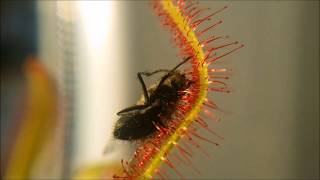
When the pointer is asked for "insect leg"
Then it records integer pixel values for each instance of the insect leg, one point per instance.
(132, 108)
(171, 71)
(154, 72)
(144, 88)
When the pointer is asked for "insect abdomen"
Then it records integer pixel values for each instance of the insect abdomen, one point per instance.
(133, 127)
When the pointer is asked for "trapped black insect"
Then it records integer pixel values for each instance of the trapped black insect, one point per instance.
(158, 104)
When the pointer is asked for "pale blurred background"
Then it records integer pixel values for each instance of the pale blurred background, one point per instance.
(95, 49)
